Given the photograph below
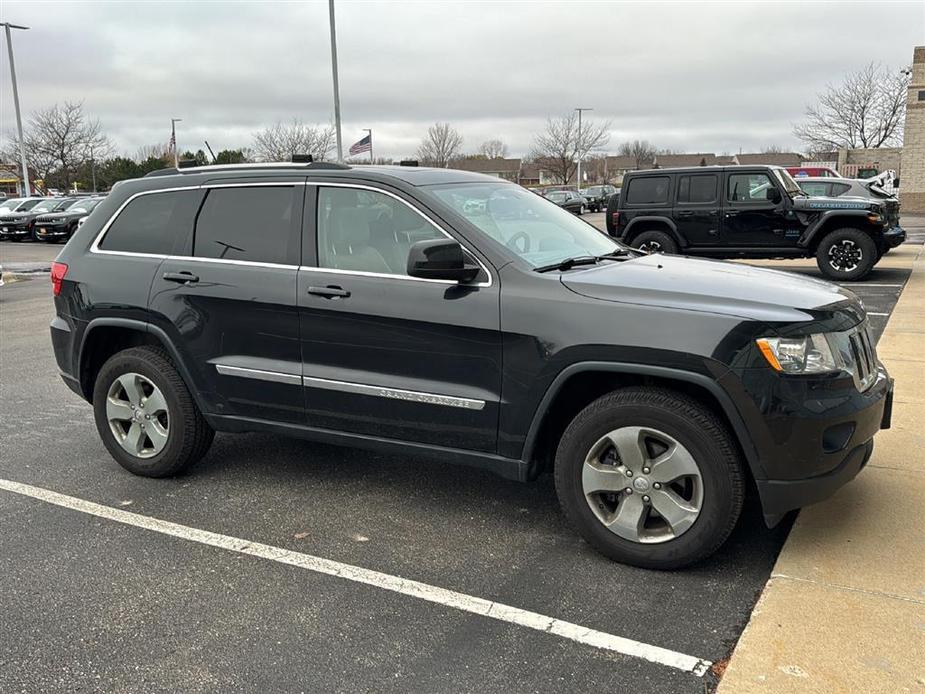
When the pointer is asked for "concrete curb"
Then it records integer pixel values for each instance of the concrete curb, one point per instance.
(844, 609)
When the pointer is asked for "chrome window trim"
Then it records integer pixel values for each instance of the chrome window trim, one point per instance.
(95, 246)
(351, 387)
(361, 273)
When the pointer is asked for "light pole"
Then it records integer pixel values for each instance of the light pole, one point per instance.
(22, 146)
(173, 140)
(578, 148)
(340, 146)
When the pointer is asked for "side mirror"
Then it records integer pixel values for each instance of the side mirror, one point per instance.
(773, 194)
(896, 183)
(440, 259)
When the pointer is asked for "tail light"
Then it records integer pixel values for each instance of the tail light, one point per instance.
(58, 271)
(615, 218)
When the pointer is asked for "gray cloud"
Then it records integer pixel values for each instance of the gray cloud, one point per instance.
(696, 76)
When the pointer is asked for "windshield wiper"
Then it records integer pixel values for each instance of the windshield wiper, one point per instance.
(617, 253)
(568, 263)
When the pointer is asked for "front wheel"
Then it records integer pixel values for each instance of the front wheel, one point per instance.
(650, 477)
(145, 414)
(655, 242)
(846, 254)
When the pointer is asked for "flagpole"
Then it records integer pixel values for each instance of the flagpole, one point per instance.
(173, 138)
(340, 147)
(370, 144)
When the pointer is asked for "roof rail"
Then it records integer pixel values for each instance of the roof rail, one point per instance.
(315, 165)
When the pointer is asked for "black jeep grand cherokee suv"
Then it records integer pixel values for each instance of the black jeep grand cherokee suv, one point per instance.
(449, 313)
(752, 212)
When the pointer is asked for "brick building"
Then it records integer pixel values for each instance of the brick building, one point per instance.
(912, 177)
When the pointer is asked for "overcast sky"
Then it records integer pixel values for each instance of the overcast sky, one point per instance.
(720, 77)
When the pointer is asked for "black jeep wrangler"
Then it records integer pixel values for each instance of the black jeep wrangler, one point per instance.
(752, 212)
(446, 313)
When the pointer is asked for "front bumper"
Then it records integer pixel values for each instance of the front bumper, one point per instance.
(812, 435)
(894, 236)
(44, 231)
(15, 230)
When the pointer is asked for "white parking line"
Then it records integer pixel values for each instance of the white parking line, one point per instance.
(872, 313)
(867, 284)
(396, 584)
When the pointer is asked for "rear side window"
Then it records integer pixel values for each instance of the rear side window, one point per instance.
(697, 189)
(815, 188)
(648, 190)
(149, 223)
(253, 224)
(839, 189)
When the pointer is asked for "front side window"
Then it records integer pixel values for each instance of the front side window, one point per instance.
(697, 189)
(363, 230)
(536, 230)
(749, 187)
(648, 190)
(149, 222)
(250, 224)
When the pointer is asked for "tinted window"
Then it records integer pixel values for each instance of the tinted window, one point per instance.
(648, 190)
(149, 222)
(839, 189)
(697, 189)
(749, 187)
(366, 231)
(251, 224)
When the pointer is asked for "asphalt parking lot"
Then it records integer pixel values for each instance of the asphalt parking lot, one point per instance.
(120, 603)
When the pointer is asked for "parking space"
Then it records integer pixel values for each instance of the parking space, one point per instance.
(283, 598)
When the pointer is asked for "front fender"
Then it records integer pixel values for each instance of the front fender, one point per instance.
(815, 229)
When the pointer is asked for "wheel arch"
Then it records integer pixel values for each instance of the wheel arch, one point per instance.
(832, 221)
(578, 385)
(104, 337)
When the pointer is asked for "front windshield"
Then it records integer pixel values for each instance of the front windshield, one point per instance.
(9, 205)
(83, 205)
(537, 230)
(789, 184)
(46, 206)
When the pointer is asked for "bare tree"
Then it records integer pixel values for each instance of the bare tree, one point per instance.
(559, 146)
(60, 140)
(156, 151)
(280, 141)
(866, 110)
(642, 152)
(440, 146)
(493, 149)
(772, 149)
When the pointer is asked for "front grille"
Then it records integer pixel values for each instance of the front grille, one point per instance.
(865, 357)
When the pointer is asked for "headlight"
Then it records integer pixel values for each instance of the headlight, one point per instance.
(811, 354)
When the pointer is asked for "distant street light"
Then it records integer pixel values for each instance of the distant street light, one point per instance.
(27, 188)
(340, 146)
(173, 141)
(578, 147)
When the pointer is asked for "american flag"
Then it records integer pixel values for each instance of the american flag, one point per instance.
(364, 145)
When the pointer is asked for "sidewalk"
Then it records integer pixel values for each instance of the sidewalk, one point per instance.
(844, 609)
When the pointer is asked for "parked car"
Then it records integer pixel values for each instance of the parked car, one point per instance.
(597, 196)
(568, 200)
(812, 171)
(752, 212)
(60, 226)
(447, 313)
(844, 187)
(11, 205)
(19, 225)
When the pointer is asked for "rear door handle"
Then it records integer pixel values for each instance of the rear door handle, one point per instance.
(182, 277)
(330, 292)
(684, 214)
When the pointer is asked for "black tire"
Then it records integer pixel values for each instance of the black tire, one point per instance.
(189, 435)
(655, 242)
(691, 424)
(861, 258)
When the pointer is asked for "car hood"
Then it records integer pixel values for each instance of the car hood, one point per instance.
(814, 204)
(715, 286)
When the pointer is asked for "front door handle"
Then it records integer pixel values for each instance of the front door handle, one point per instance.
(732, 213)
(182, 277)
(684, 214)
(330, 292)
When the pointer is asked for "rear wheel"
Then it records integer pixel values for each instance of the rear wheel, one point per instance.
(655, 242)
(146, 416)
(650, 477)
(846, 254)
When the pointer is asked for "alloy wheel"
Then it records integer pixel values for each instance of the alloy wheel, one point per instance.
(138, 416)
(642, 484)
(845, 256)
